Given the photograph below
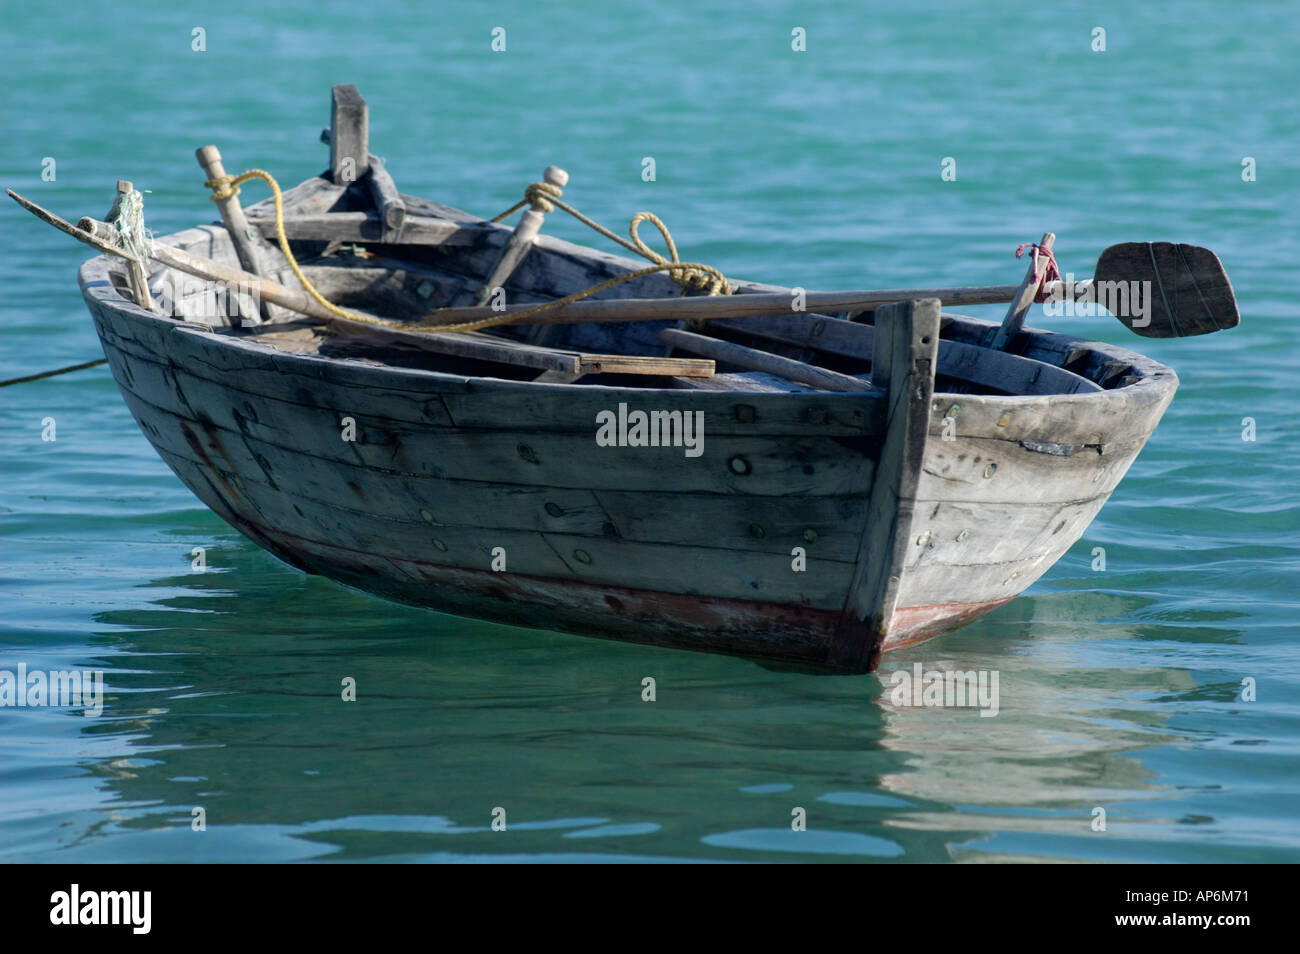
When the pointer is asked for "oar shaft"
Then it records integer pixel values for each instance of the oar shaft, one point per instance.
(733, 306)
(104, 238)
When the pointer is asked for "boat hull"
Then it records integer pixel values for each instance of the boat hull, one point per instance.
(488, 498)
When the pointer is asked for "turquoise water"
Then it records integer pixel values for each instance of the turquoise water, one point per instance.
(1119, 689)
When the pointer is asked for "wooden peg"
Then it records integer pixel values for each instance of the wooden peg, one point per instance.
(137, 277)
(232, 216)
(1015, 318)
(349, 137)
(530, 223)
(388, 201)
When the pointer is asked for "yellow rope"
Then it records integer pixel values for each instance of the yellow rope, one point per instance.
(689, 275)
(544, 195)
(226, 186)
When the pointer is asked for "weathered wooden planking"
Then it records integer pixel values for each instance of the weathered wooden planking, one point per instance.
(972, 469)
(749, 628)
(1081, 356)
(350, 276)
(937, 584)
(644, 364)
(420, 397)
(731, 574)
(759, 466)
(699, 571)
(970, 553)
(214, 270)
(393, 288)
(489, 403)
(487, 348)
(450, 546)
(1121, 416)
(1067, 416)
(762, 361)
(1089, 358)
(555, 268)
(743, 381)
(284, 377)
(207, 241)
(904, 369)
(315, 196)
(963, 534)
(994, 369)
(587, 268)
(559, 262)
(417, 205)
(367, 227)
(474, 345)
(828, 528)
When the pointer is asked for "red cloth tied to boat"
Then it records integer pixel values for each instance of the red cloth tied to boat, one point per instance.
(1051, 274)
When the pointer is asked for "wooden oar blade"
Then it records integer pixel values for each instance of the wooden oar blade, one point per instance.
(1181, 290)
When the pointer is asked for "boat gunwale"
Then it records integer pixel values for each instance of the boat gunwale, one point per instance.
(1154, 382)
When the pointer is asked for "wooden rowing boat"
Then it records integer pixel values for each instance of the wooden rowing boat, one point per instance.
(860, 481)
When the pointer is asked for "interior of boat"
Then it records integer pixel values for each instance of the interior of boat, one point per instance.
(446, 255)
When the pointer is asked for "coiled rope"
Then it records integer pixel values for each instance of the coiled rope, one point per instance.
(689, 275)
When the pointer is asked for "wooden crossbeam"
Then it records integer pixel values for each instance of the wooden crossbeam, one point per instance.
(756, 360)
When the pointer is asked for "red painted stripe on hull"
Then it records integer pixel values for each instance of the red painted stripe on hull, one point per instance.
(915, 624)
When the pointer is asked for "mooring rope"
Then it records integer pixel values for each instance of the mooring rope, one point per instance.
(49, 374)
(689, 275)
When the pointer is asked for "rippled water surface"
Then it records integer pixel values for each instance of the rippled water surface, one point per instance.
(1119, 689)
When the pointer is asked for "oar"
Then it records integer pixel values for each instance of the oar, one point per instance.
(1189, 295)
(1189, 291)
(1185, 289)
(1158, 289)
